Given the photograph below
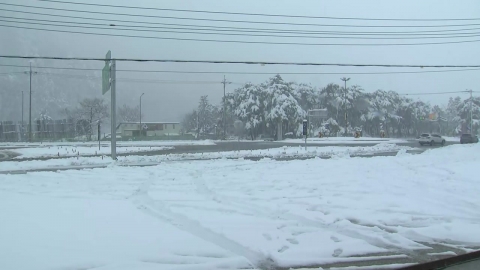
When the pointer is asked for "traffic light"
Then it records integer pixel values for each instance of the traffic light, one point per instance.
(305, 127)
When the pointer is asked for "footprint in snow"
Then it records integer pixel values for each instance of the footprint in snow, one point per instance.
(335, 239)
(292, 241)
(337, 252)
(267, 236)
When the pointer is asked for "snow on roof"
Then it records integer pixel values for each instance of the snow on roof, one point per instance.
(150, 122)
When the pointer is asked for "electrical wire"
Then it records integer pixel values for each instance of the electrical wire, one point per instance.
(434, 93)
(239, 34)
(230, 21)
(257, 14)
(235, 62)
(130, 79)
(248, 35)
(254, 30)
(10, 73)
(244, 41)
(245, 73)
(210, 27)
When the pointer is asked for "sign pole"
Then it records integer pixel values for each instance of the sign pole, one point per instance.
(305, 132)
(113, 112)
(98, 135)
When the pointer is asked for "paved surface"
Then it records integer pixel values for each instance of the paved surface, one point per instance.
(473, 265)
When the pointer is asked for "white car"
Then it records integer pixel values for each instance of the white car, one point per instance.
(431, 139)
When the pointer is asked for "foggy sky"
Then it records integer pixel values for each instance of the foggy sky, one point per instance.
(168, 102)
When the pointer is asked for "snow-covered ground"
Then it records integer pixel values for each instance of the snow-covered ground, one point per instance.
(281, 152)
(239, 214)
(345, 140)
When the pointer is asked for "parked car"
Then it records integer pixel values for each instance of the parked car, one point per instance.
(431, 139)
(468, 138)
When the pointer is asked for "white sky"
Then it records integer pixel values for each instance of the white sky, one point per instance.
(169, 102)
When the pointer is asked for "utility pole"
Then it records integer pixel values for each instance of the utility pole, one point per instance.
(114, 111)
(471, 111)
(30, 107)
(91, 123)
(141, 129)
(345, 103)
(21, 131)
(224, 82)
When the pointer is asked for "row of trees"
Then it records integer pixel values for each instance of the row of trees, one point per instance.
(91, 110)
(262, 108)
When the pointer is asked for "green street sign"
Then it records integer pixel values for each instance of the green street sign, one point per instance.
(106, 74)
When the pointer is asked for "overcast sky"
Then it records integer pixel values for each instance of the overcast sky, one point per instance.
(171, 101)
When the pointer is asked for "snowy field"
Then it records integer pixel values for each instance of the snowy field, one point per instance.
(275, 153)
(345, 140)
(239, 214)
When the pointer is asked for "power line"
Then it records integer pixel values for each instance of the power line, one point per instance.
(10, 73)
(236, 62)
(131, 79)
(246, 73)
(258, 14)
(252, 30)
(114, 27)
(211, 27)
(239, 34)
(244, 41)
(434, 93)
(226, 20)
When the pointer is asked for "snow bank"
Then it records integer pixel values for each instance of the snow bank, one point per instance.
(282, 152)
(70, 151)
(345, 140)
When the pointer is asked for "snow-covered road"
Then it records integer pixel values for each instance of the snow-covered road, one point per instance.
(234, 214)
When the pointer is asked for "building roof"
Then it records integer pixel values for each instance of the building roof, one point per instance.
(149, 123)
(155, 123)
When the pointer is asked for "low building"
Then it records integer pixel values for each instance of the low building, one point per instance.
(149, 129)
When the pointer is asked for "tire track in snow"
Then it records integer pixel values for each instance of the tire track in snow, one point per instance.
(157, 209)
(263, 212)
(471, 211)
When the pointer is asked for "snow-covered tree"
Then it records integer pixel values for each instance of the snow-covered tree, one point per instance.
(190, 122)
(249, 102)
(207, 116)
(329, 98)
(281, 106)
(306, 95)
(469, 113)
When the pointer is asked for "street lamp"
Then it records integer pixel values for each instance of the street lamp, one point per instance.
(141, 113)
(21, 131)
(224, 82)
(471, 111)
(345, 102)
